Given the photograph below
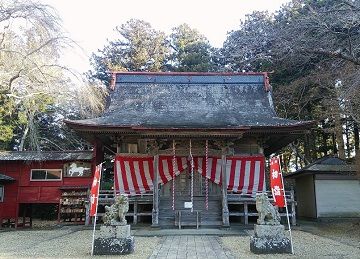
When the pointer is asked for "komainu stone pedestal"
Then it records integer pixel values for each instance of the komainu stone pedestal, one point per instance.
(270, 239)
(114, 240)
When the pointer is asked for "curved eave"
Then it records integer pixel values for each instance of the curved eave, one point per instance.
(292, 128)
(88, 128)
(187, 73)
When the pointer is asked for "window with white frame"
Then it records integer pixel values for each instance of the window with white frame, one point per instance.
(46, 174)
(1, 193)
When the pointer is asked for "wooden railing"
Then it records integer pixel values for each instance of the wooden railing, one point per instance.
(246, 200)
(107, 198)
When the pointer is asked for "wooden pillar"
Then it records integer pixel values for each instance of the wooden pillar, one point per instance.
(135, 212)
(246, 213)
(261, 151)
(225, 209)
(25, 207)
(59, 209)
(31, 213)
(98, 153)
(87, 213)
(17, 214)
(155, 210)
(118, 150)
(118, 147)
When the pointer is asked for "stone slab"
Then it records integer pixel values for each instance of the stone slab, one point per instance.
(114, 231)
(114, 246)
(267, 245)
(269, 231)
(191, 246)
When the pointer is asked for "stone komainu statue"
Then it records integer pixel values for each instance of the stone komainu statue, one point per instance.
(268, 214)
(115, 214)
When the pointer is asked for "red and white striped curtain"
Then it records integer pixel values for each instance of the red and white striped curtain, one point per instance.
(166, 167)
(135, 175)
(214, 168)
(247, 174)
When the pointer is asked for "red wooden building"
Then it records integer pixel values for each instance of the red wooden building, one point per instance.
(28, 178)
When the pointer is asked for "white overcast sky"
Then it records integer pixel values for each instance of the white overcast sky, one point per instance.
(91, 22)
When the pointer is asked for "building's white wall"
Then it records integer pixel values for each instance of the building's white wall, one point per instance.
(305, 197)
(337, 198)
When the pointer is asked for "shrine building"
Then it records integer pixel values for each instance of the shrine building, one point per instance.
(187, 145)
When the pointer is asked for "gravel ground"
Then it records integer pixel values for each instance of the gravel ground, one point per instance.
(61, 243)
(313, 240)
(347, 232)
(44, 224)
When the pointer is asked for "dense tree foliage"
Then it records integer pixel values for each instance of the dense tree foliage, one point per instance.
(32, 83)
(310, 47)
(139, 47)
(313, 49)
(191, 51)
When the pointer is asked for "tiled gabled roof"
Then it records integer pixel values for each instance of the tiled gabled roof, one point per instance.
(325, 164)
(46, 155)
(188, 101)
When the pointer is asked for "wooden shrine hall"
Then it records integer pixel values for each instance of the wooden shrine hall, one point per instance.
(189, 141)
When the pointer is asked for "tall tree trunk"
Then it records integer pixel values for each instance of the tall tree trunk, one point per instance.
(324, 143)
(357, 164)
(307, 152)
(347, 136)
(356, 137)
(334, 148)
(23, 138)
(357, 149)
(339, 136)
(313, 148)
(310, 147)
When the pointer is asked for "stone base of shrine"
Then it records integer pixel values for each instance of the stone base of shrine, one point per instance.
(114, 240)
(269, 239)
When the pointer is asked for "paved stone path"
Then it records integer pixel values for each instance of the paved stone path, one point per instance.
(181, 247)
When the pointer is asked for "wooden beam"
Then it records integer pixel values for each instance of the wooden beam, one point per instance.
(194, 151)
